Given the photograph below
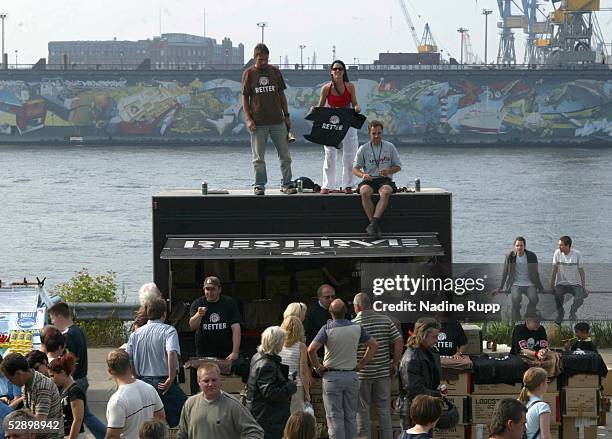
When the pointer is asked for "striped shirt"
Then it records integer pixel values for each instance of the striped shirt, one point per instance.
(290, 356)
(385, 333)
(42, 398)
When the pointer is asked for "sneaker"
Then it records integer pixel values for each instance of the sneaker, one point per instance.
(259, 190)
(288, 190)
(348, 190)
(324, 191)
(371, 230)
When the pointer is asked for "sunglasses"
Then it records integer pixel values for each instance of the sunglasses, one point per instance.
(337, 69)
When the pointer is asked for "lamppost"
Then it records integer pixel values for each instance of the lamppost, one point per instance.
(333, 52)
(486, 13)
(2, 17)
(302, 47)
(262, 25)
(462, 31)
(16, 58)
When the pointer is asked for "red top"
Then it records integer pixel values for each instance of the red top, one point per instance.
(339, 101)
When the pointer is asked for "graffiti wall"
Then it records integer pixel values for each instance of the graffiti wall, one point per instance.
(454, 110)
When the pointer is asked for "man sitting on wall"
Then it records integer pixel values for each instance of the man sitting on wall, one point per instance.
(376, 162)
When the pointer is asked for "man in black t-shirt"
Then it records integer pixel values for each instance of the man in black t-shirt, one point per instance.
(530, 339)
(216, 320)
(76, 342)
(452, 340)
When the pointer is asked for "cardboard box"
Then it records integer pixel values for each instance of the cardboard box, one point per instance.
(463, 404)
(581, 403)
(579, 428)
(607, 383)
(474, 337)
(231, 383)
(459, 432)
(497, 389)
(483, 405)
(583, 381)
(457, 384)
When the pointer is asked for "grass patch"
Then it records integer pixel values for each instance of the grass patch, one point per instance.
(83, 287)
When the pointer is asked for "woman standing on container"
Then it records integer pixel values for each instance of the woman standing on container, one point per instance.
(340, 93)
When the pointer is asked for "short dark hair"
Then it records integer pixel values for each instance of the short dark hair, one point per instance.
(582, 326)
(375, 123)
(60, 309)
(54, 341)
(153, 429)
(520, 238)
(260, 49)
(118, 361)
(156, 309)
(14, 362)
(566, 240)
(508, 409)
(36, 357)
(425, 409)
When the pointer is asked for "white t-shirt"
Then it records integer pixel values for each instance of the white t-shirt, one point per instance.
(568, 266)
(130, 406)
(533, 415)
(522, 272)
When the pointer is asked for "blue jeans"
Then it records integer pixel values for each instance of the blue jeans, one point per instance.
(259, 140)
(340, 398)
(93, 424)
(173, 399)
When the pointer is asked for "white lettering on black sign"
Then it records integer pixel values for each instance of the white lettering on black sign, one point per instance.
(248, 244)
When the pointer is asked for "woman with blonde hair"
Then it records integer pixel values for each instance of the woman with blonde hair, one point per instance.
(297, 309)
(300, 425)
(294, 355)
(419, 368)
(535, 385)
(269, 389)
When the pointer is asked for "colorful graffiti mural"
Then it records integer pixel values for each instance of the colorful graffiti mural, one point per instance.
(207, 109)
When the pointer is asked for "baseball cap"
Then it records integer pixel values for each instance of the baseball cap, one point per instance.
(212, 280)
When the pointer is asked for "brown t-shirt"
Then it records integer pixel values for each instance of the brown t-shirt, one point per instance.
(262, 88)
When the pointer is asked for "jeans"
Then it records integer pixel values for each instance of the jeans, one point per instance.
(93, 424)
(575, 290)
(516, 293)
(259, 140)
(376, 392)
(340, 398)
(173, 399)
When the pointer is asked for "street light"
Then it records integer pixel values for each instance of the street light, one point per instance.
(262, 25)
(462, 31)
(15, 58)
(3, 16)
(302, 47)
(486, 13)
(333, 53)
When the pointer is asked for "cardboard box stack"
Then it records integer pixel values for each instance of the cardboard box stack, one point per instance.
(486, 396)
(581, 398)
(459, 387)
(474, 337)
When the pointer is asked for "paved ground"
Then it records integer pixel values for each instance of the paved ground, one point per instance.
(101, 387)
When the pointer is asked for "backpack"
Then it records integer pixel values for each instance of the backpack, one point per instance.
(537, 433)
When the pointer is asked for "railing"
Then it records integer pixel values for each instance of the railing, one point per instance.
(103, 311)
(305, 67)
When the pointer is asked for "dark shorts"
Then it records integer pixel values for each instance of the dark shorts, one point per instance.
(377, 182)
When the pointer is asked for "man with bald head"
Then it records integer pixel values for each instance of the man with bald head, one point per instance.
(341, 339)
(318, 312)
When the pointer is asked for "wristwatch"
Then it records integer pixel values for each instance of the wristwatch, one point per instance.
(287, 114)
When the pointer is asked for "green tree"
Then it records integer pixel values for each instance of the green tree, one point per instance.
(83, 287)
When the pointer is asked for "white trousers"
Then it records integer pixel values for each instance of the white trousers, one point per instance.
(350, 143)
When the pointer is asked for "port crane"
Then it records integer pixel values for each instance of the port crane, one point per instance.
(427, 43)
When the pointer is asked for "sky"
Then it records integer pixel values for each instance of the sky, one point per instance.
(359, 29)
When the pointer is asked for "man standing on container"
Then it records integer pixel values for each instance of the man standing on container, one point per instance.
(154, 350)
(568, 277)
(375, 163)
(521, 276)
(375, 384)
(266, 114)
(341, 339)
(216, 320)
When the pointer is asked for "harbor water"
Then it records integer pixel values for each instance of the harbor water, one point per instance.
(65, 208)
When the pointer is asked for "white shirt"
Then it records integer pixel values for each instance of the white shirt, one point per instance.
(148, 348)
(568, 266)
(131, 406)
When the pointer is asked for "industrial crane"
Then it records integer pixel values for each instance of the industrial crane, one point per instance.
(415, 37)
